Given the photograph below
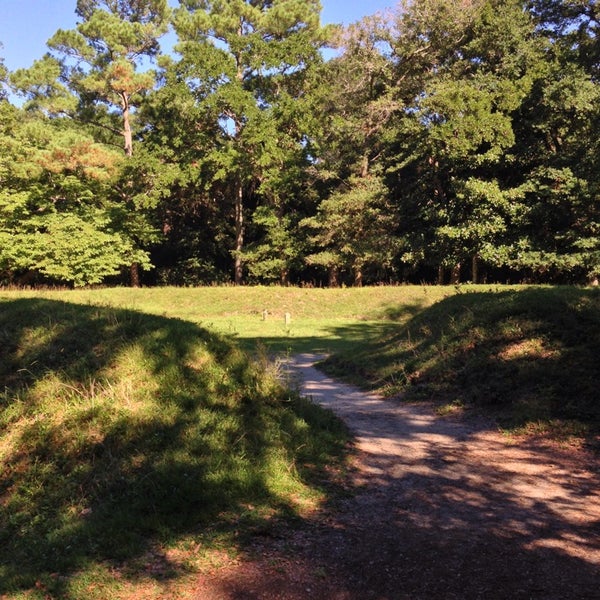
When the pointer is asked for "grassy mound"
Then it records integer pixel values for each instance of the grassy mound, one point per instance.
(120, 431)
(530, 355)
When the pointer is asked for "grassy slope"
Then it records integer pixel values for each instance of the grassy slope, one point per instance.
(121, 431)
(531, 356)
(125, 428)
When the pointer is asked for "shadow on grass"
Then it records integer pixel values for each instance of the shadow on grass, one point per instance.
(121, 431)
(529, 355)
(400, 313)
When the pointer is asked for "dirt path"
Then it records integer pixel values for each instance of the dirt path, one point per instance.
(442, 507)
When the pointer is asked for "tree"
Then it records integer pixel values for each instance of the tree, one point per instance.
(278, 250)
(56, 216)
(557, 153)
(354, 230)
(99, 59)
(574, 26)
(246, 62)
(457, 134)
(566, 130)
(356, 101)
(93, 78)
(3, 77)
(353, 226)
(178, 135)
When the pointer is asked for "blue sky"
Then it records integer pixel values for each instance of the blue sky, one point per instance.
(26, 25)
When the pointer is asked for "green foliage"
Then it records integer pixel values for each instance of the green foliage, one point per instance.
(3, 77)
(57, 217)
(352, 228)
(271, 259)
(462, 125)
(573, 28)
(559, 231)
(247, 64)
(42, 86)
(476, 122)
(465, 124)
(68, 248)
(110, 39)
(559, 221)
(93, 78)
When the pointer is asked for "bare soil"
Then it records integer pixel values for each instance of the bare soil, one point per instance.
(439, 507)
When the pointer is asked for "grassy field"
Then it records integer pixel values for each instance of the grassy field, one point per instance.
(131, 442)
(136, 434)
(320, 320)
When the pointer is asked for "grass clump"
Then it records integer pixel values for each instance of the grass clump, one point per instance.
(121, 432)
(529, 355)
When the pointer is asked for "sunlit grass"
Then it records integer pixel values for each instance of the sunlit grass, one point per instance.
(123, 432)
(319, 320)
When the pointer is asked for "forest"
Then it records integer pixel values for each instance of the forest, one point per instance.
(440, 142)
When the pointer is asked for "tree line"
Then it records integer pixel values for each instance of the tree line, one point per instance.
(439, 142)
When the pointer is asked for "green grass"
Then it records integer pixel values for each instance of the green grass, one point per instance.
(122, 432)
(322, 320)
(529, 356)
(136, 434)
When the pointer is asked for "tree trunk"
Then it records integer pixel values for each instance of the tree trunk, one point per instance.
(334, 276)
(239, 193)
(441, 275)
(239, 235)
(134, 269)
(455, 274)
(134, 275)
(358, 277)
(127, 135)
(475, 269)
(364, 167)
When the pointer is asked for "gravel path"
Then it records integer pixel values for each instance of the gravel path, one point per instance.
(442, 507)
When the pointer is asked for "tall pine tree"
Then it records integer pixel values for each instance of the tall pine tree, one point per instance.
(246, 61)
(94, 76)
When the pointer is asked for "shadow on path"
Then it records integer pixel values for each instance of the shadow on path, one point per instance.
(441, 508)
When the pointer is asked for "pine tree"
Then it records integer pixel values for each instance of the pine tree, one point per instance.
(93, 77)
(246, 62)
